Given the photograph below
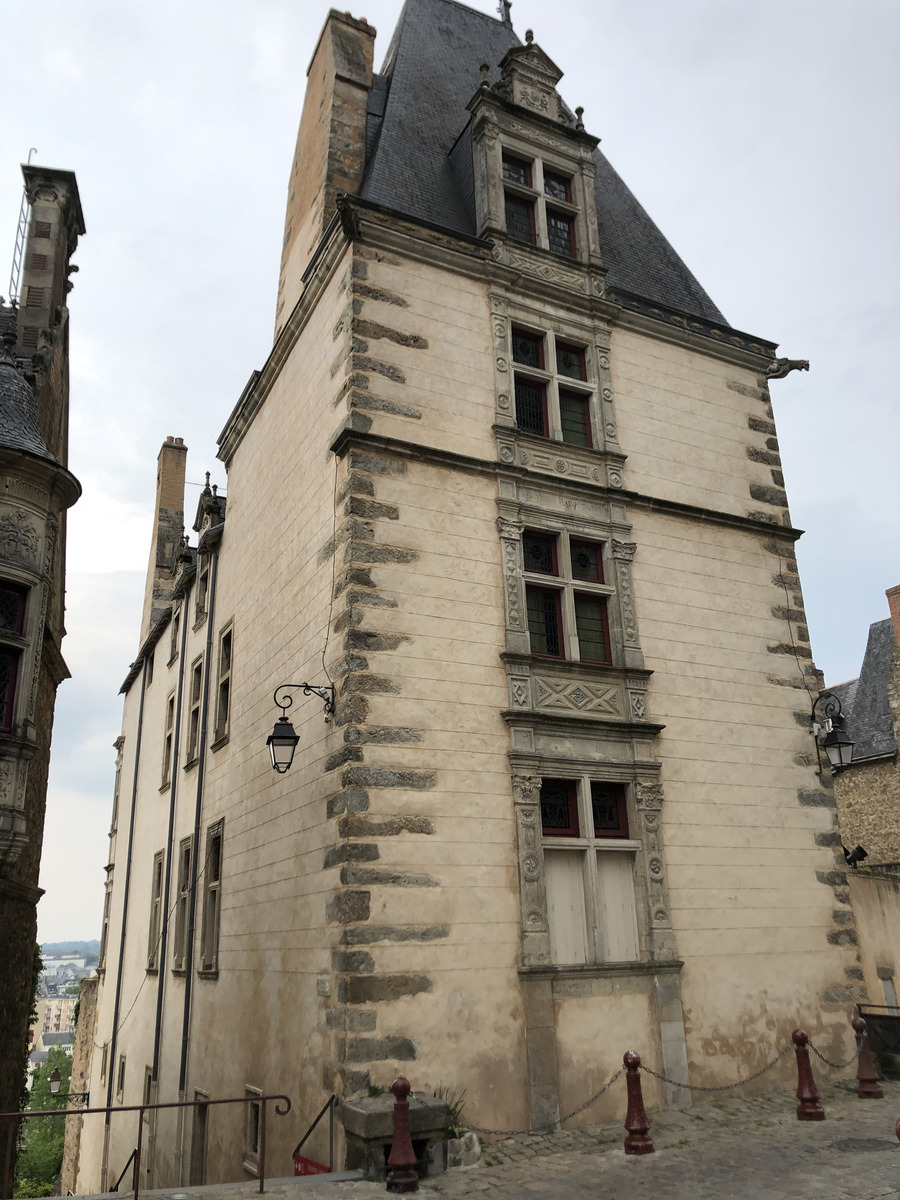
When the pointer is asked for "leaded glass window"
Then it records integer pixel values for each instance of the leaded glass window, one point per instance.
(516, 170)
(608, 810)
(539, 552)
(574, 421)
(528, 349)
(570, 361)
(9, 667)
(520, 219)
(544, 621)
(559, 808)
(531, 407)
(587, 561)
(557, 186)
(561, 234)
(591, 627)
(12, 609)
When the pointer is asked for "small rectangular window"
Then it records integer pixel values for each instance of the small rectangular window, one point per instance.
(531, 407)
(608, 810)
(520, 219)
(147, 1097)
(104, 929)
(587, 561)
(104, 1058)
(557, 186)
(223, 697)
(212, 872)
(251, 1129)
(202, 587)
(167, 740)
(12, 608)
(120, 1078)
(592, 628)
(559, 808)
(561, 233)
(9, 674)
(173, 642)
(155, 928)
(539, 552)
(574, 419)
(179, 949)
(34, 297)
(41, 229)
(528, 349)
(516, 170)
(196, 688)
(544, 621)
(148, 668)
(29, 337)
(39, 262)
(570, 361)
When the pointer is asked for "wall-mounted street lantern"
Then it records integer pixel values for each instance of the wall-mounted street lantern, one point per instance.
(282, 741)
(56, 1080)
(837, 743)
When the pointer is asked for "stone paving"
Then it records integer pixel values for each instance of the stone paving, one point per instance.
(735, 1149)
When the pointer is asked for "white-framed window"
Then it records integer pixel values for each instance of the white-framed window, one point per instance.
(539, 203)
(173, 638)
(104, 930)
(252, 1111)
(104, 1059)
(156, 900)
(202, 597)
(566, 596)
(120, 1078)
(212, 899)
(182, 904)
(552, 387)
(223, 691)
(589, 859)
(195, 691)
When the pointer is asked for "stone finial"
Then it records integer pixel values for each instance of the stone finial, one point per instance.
(503, 9)
(529, 36)
(485, 72)
(579, 114)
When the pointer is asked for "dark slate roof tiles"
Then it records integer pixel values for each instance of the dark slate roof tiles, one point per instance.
(417, 110)
(865, 700)
(18, 411)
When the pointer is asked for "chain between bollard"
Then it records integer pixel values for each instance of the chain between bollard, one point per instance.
(722, 1087)
(541, 1128)
(850, 1061)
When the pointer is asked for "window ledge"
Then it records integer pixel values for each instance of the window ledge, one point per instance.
(221, 741)
(671, 966)
(211, 974)
(191, 763)
(172, 660)
(199, 622)
(153, 970)
(165, 786)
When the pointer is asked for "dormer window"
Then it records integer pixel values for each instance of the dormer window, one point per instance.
(538, 205)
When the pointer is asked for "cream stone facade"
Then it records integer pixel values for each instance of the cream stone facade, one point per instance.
(530, 524)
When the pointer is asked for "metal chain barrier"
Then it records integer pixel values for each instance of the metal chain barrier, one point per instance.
(840, 1066)
(722, 1087)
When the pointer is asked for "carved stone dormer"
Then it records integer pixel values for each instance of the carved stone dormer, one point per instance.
(528, 77)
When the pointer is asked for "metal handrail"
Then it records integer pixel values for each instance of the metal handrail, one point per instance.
(10, 1119)
(132, 1156)
(328, 1107)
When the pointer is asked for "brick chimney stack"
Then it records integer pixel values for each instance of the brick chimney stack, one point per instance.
(893, 599)
(331, 145)
(168, 529)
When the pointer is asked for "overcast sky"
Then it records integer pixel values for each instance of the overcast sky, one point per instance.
(762, 138)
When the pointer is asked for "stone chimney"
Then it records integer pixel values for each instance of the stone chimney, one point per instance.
(168, 530)
(331, 146)
(893, 599)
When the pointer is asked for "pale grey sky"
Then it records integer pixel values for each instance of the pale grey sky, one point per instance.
(762, 138)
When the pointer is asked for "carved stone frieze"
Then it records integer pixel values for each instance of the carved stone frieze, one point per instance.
(649, 796)
(19, 539)
(578, 696)
(520, 691)
(555, 460)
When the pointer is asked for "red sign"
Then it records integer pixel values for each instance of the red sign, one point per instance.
(306, 1166)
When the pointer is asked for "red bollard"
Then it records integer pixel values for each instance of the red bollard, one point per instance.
(402, 1175)
(867, 1085)
(638, 1140)
(809, 1108)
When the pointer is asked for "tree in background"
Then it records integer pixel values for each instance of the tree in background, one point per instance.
(41, 1151)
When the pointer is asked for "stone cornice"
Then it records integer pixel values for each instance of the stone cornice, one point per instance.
(671, 966)
(346, 438)
(601, 726)
(149, 642)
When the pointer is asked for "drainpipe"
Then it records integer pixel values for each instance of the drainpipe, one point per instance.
(170, 833)
(212, 540)
(111, 1060)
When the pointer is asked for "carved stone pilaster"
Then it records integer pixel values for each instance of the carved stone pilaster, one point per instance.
(505, 413)
(513, 590)
(648, 801)
(606, 409)
(623, 554)
(535, 931)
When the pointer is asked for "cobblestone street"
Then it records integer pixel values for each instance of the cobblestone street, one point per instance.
(753, 1149)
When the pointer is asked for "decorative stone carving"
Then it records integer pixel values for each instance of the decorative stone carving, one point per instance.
(509, 529)
(19, 538)
(520, 692)
(614, 476)
(532, 264)
(649, 796)
(535, 932)
(579, 696)
(779, 368)
(623, 553)
(527, 790)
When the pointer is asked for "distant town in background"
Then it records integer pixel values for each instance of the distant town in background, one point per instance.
(65, 964)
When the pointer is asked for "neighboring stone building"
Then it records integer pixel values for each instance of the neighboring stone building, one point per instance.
(511, 483)
(36, 489)
(868, 802)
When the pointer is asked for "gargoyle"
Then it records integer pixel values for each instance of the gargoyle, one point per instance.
(778, 368)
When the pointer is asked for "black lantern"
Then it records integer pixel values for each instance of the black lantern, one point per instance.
(55, 1081)
(282, 743)
(837, 742)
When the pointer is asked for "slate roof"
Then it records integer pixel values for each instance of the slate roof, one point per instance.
(18, 410)
(417, 110)
(865, 700)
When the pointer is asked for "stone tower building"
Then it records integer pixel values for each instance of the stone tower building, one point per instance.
(36, 490)
(509, 482)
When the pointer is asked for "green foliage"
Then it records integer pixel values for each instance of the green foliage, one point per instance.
(41, 1152)
(455, 1101)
